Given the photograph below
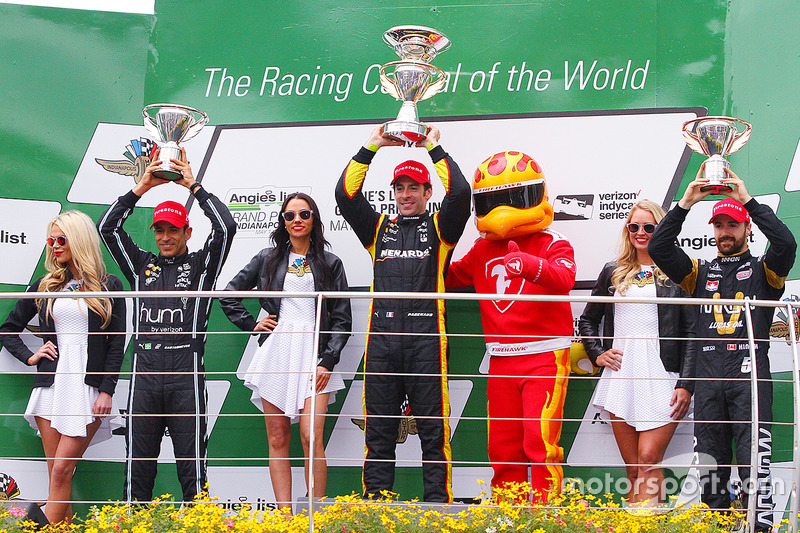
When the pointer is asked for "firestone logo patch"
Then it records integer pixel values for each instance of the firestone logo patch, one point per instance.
(138, 156)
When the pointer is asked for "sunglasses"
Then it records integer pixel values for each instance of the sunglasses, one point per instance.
(305, 214)
(60, 240)
(633, 227)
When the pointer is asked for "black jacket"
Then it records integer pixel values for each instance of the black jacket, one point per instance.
(675, 322)
(336, 315)
(105, 351)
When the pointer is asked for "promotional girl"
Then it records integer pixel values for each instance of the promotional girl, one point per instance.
(280, 372)
(78, 364)
(646, 351)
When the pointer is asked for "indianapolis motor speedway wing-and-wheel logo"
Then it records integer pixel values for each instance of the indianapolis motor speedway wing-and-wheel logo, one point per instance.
(8, 487)
(407, 426)
(138, 155)
(780, 328)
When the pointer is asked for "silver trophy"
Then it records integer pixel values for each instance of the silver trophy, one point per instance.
(171, 124)
(413, 78)
(716, 137)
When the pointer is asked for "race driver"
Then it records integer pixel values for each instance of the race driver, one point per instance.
(410, 253)
(168, 374)
(724, 353)
(527, 342)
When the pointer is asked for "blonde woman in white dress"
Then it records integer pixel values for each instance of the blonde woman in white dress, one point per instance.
(645, 353)
(280, 372)
(78, 365)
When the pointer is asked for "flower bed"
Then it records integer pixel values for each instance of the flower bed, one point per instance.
(571, 512)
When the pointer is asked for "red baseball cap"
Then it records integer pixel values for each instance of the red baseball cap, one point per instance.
(732, 208)
(414, 170)
(171, 212)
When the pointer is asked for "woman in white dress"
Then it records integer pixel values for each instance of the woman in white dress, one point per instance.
(76, 372)
(280, 372)
(646, 352)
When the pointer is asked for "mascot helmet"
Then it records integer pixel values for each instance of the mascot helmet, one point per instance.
(510, 196)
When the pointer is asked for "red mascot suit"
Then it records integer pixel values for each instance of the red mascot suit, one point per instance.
(528, 341)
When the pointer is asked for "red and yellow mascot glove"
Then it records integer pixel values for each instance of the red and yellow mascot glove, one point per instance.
(528, 341)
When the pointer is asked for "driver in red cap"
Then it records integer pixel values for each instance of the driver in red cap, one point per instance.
(168, 378)
(723, 392)
(410, 252)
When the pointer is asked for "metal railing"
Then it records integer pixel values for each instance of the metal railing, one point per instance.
(747, 304)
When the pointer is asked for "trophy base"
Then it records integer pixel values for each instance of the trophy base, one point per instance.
(168, 175)
(716, 189)
(405, 131)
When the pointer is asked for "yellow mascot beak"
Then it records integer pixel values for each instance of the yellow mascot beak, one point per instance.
(505, 222)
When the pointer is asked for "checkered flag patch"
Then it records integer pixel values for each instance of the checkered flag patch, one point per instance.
(148, 145)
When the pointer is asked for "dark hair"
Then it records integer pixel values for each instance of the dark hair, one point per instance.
(316, 254)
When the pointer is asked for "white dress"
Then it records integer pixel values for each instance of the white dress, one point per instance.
(68, 402)
(641, 390)
(280, 371)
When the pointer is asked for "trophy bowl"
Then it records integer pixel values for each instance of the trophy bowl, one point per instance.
(172, 124)
(716, 137)
(413, 78)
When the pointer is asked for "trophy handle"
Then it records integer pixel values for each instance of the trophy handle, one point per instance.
(198, 125)
(437, 85)
(691, 138)
(150, 123)
(742, 138)
(387, 83)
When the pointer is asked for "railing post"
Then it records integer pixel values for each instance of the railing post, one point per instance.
(793, 495)
(312, 434)
(751, 500)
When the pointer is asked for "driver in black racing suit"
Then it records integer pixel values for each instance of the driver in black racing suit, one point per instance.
(410, 253)
(723, 352)
(168, 374)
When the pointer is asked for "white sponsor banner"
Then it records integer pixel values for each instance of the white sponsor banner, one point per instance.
(793, 178)
(116, 158)
(23, 234)
(596, 166)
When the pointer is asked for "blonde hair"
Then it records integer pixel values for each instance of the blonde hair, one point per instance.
(84, 244)
(627, 261)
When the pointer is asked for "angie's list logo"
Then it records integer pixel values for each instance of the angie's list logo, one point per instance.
(138, 155)
(256, 211)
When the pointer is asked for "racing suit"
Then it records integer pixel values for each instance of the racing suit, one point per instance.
(168, 374)
(409, 254)
(723, 349)
(528, 343)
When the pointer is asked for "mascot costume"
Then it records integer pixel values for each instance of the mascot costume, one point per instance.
(528, 342)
